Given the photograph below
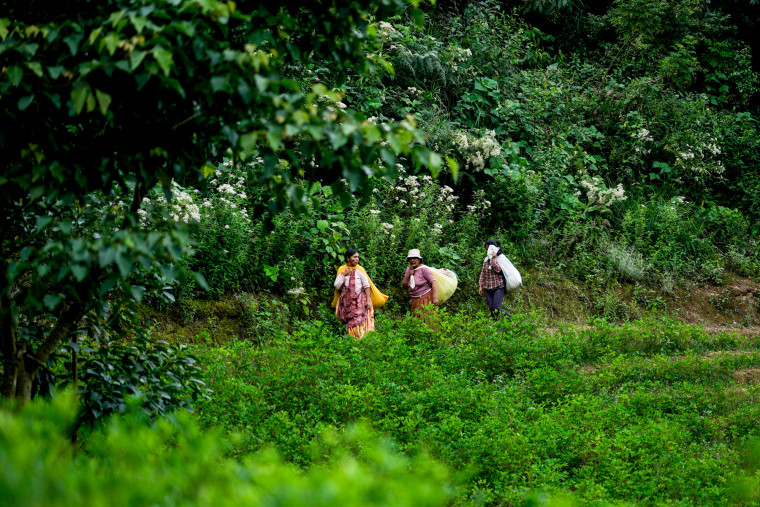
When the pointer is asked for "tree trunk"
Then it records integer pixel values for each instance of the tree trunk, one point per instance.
(12, 361)
(24, 385)
(20, 363)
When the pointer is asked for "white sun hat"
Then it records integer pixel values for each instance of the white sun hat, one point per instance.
(414, 253)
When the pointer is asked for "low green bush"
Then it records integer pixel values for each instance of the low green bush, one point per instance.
(129, 462)
(643, 413)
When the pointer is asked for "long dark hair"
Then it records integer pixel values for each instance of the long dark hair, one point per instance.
(494, 243)
(349, 253)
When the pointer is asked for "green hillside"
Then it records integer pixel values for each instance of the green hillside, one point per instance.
(182, 178)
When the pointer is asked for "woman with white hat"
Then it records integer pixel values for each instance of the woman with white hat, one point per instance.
(421, 284)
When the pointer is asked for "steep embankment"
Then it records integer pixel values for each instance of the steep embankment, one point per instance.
(735, 306)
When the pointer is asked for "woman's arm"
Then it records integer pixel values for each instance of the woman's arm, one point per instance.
(339, 281)
(368, 305)
(405, 283)
(435, 292)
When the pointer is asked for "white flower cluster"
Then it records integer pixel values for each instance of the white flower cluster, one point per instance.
(182, 208)
(413, 92)
(698, 159)
(460, 54)
(385, 29)
(597, 193)
(476, 151)
(227, 194)
(641, 137)
(297, 291)
(386, 227)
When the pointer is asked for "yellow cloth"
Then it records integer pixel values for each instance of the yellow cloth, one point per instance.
(377, 297)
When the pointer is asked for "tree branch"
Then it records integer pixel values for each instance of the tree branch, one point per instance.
(70, 317)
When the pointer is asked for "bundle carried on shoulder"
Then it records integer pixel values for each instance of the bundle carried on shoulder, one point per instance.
(377, 297)
(512, 278)
(447, 282)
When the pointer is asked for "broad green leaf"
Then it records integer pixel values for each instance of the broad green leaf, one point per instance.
(15, 74)
(201, 280)
(94, 35)
(136, 58)
(322, 225)
(36, 192)
(35, 67)
(248, 142)
(72, 42)
(139, 23)
(56, 71)
(51, 301)
(4, 24)
(124, 264)
(90, 103)
(104, 100)
(43, 221)
(24, 102)
(79, 97)
(137, 292)
(111, 41)
(79, 271)
(218, 82)
(274, 137)
(164, 58)
(261, 83)
(453, 166)
(106, 256)
(436, 162)
(43, 270)
(208, 170)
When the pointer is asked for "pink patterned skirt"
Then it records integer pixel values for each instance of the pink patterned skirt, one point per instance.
(351, 312)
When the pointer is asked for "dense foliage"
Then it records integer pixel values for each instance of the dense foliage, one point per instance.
(156, 153)
(629, 157)
(175, 463)
(648, 413)
(651, 413)
(104, 101)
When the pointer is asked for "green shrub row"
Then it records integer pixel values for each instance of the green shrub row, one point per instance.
(171, 463)
(639, 414)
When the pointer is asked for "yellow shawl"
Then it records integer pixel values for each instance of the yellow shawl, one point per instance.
(378, 298)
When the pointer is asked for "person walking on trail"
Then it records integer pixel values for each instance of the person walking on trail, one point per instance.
(422, 286)
(492, 280)
(354, 306)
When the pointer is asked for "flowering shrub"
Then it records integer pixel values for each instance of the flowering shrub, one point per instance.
(476, 151)
(220, 225)
(409, 212)
(182, 208)
(599, 195)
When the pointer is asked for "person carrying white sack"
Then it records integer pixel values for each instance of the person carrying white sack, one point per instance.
(492, 279)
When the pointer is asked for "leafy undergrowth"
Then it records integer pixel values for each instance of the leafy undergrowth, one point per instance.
(174, 462)
(645, 413)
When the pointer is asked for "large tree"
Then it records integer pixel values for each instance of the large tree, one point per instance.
(105, 99)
